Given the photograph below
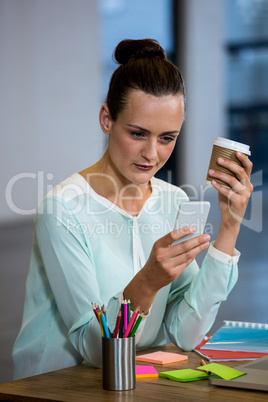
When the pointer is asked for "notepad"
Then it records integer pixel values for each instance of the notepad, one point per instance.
(162, 357)
(185, 375)
(146, 372)
(239, 336)
(225, 372)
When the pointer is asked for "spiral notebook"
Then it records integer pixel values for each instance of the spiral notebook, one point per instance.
(225, 355)
(239, 336)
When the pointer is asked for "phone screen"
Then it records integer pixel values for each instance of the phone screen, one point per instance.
(192, 213)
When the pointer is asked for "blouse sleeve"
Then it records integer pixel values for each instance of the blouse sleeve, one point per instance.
(70, 269)
(195, 297)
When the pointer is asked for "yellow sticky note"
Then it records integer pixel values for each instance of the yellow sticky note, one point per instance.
(225, 372)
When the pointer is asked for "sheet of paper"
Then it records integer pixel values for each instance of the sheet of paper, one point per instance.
(184, 375)
(162, 357)
(227, 373)
(146, 372)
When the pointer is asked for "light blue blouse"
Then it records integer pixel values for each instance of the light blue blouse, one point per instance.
(86, 249)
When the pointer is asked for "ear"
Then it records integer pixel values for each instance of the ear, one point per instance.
(105, 119)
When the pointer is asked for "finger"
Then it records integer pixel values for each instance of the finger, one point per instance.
(238, 183)
(182, 249)
(182, 267)
(238, 170)
(189, 255)
(230, 181)
(246, 162)
(239, 187)
(232, 195)
(226, 191)
(174, 235)
(187, 245)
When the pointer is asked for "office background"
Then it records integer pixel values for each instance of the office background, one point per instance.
(55, 59)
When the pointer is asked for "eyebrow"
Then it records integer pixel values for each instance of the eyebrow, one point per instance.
(148, 131)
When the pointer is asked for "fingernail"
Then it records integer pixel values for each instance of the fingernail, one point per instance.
(220, 160)
(211, 172)
(206, 237)
(192, 229)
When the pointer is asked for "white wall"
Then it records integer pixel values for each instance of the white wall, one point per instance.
(201, 47)
(49, 98)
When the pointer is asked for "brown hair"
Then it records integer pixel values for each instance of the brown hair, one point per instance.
(143, 66)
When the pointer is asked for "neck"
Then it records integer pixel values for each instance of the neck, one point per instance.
(126, 195)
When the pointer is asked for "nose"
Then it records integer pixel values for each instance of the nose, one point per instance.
(149, 150)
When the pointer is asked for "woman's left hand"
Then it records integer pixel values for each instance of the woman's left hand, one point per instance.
(233, 201)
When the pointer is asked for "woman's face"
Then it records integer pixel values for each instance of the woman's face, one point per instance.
(143, 137)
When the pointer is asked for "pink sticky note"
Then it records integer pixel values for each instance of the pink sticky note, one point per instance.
(146, 371)
(162, 357)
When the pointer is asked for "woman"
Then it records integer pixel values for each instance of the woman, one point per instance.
(105, 233)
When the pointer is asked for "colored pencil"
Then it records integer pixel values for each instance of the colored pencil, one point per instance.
(95, 310)
(126, 325)
(137, 323)
(101, 324)
(105, 327)
(117, 325)
(125, 315)
(121, 328)
(103, 309)
(131, 322)
(128, 310)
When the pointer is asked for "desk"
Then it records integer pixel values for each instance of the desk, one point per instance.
(84, 383)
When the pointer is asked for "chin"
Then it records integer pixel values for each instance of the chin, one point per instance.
(142, 179)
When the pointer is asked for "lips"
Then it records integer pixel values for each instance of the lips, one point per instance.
(143, 167)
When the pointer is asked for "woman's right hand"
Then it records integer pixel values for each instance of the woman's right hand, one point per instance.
(165, 263)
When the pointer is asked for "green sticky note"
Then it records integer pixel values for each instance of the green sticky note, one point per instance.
(184, 375)
(227, 373)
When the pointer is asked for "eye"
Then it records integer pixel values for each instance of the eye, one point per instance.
(167, 138)
(137, 134)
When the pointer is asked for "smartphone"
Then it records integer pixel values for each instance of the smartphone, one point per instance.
(192, 213)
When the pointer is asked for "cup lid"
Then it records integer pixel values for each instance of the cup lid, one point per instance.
(234, 145)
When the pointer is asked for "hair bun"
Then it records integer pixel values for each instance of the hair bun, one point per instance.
(136, 49)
